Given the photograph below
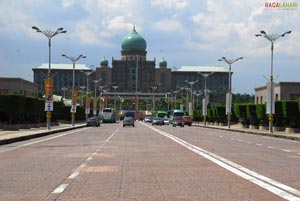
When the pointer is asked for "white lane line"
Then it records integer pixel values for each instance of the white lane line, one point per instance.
(241, 140)
(249, 143)
(269, 147)
(89, 158)
(83, 165)
(259, 145)
(273, 186)
(285, 150)
(298, 153)
(60, 188)
(73, 175)
(38, 141)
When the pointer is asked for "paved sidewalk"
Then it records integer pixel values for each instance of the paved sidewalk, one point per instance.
(238, 128)
(7, 137)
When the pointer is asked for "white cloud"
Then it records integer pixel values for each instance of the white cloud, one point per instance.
(168, 25)
(170, 4)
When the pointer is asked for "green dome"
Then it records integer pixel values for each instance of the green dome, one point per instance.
(133, 41)
(104, 62)
(163, 62)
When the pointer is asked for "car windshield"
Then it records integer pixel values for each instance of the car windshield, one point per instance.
(178, 118)
(128, 118)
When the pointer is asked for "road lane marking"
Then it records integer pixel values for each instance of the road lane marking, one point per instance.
(285, 150)
(259, 145)
(38, 141)
(73, 175)
(60, 189)
(269, 184)
(89, 158)
(249, 143)
(271, 147)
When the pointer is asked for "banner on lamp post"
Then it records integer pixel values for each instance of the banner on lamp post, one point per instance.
(87, 105)
(204, 107)
(270, 99)
(228, 103)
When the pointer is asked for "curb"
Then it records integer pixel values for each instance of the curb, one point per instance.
(36, 135)
(289, 137)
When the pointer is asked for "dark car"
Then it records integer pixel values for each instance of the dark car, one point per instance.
(187, 120)
(128, 121)
(158, 121)
(178, 121)
(93, 121)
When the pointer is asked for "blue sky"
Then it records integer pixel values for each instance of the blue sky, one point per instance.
(183, 32)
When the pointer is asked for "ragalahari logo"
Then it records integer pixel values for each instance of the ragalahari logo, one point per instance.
(282, 5)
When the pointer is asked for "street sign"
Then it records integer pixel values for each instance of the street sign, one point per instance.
(73, 108)
(48, 105)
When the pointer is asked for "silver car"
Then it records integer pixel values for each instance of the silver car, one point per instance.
(128, 121)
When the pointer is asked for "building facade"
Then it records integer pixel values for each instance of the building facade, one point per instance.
(17, 86)
(133, 73)
(282, 91)
(62, 75)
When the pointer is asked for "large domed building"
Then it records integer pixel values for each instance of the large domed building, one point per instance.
(133, 71)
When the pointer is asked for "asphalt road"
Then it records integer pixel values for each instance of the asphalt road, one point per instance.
(150, 163)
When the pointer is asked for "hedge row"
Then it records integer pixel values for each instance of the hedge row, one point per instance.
(18, 109)
(287, 114)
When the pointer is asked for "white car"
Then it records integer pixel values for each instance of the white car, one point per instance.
(166, 121)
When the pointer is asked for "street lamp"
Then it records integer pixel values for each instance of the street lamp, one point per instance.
(49, 82)
(229, 94)
(74, 92)
(153, 88)
(115, 87)
(270, 100)
(205, 100)
(87, 98)
(191, 83)
(95, 97)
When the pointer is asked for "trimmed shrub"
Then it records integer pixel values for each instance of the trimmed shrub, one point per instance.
(291, 113)
(251, 114)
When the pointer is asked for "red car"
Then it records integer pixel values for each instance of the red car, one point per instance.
(177, 121)
(187, 120)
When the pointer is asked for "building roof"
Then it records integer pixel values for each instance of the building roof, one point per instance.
(64, 66)
(203, 69)
(133, 41)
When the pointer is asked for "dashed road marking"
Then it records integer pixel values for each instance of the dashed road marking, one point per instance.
(258, 144)
(73, 175)
(61, 188)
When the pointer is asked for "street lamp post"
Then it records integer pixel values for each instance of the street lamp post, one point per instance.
(87, 98)
(74, 92)
(206, 96)
(154, 88)
(191, 83)
(49, 82)
(115, 87)
(270, 101)
(95, 97)
(229, 94)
